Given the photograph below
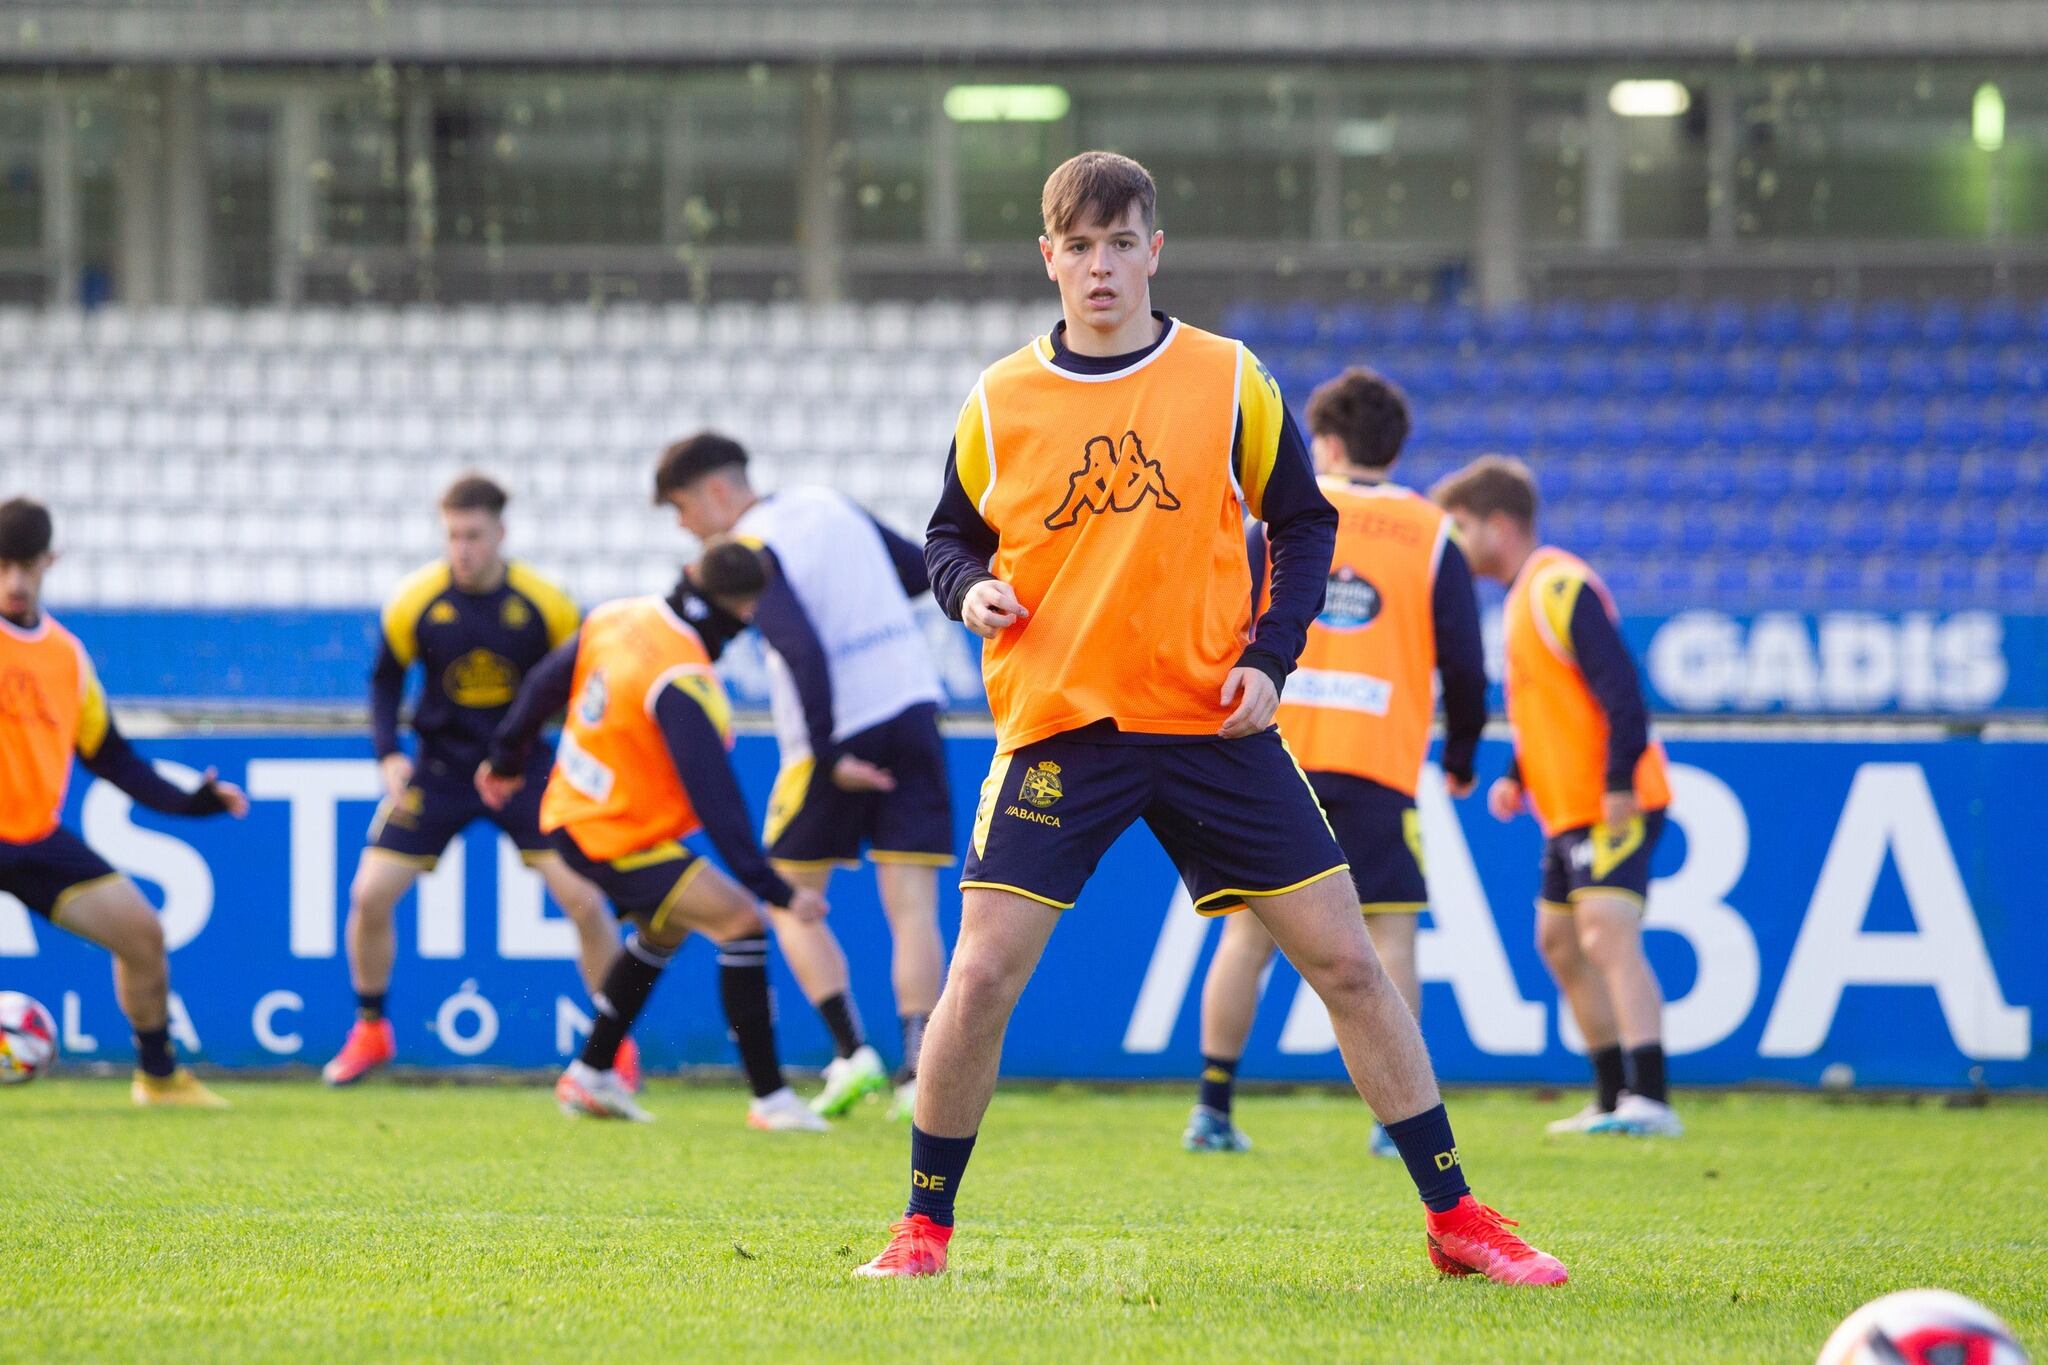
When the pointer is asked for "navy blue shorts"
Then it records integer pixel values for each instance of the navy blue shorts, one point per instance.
(1591, 861)
(1237, 816)
(1380, 832)
(812, 821)
(644, 885)
(417, 826)
(45, 874)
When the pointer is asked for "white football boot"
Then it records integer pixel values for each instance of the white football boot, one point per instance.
(1581, 1122)
(848, 1080)
(585, 1092)
(1637, 1116)
(783, 1112)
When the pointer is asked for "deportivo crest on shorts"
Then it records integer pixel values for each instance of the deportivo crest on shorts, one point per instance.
(1041, 785)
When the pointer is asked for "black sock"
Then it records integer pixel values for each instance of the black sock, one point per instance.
(1646, 1072)
(844, 1021)
(913, 1045)
(627, 984)
(153, 1051)
(1219, 1080)
(1608, 1077)
(369, 1006)
(1431, 1154)
(749, 1012)
(936, 1165)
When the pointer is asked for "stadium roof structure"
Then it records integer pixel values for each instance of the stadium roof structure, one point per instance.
(93, 32)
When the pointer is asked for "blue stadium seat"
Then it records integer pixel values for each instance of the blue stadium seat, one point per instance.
(1885, 323)
(1789, 426)
(1676, 582)
(1996, 322)
(1674, 322)
(1933, 478)
(1511, 326)
(1957, 428)
(1477, 374)
(1786, 582)
(1916, 534)
(2017, 426)
(1957, 580)
(1734, 425)
(1699, 375)
(1753, 372)
(1625, 581)
(1563, 322)
(1976, 371)
(1801, 533)
(1905, 580)
(1618, 323)
(1778, 323)
(1405, 324)
(1453, 325)
(2023, 369)
(1726, 323)
(1590, 373)
(1880, 478)
(1840, 584)
(1990, 476)
(1764, 480)
(2027, 530)
(1902, 424)
(2019, 580)
(1648, 374)
(1246, 322)
(1692, 535)
(1941, 323)
(1833, 323)
(1620, 429)
(1298, 324)
(1824, 476)
(1748, 532)
(1971, 528)
(1860, 530)
(1867, 373)
(1915, 371)
(1728, 582)
(1349, 326)
(1807, 373)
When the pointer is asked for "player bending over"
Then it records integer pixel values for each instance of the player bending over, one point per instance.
(475, 624)
(1586, 764)
(1356, 714)
(855, 699)
(1092, 532)
(52, 705)
(641, 766)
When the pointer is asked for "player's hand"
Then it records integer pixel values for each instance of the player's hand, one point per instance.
(496, 791)
(1504, 798)
(1460, 787)
(1618, 808)
(851, 774)
(991, 607)
(1257, 699)
(807, 905)
(232, 798)
(396, 770)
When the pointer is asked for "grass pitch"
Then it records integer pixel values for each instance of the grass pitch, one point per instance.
(475, 1223)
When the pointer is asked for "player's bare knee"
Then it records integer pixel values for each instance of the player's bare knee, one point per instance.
(984, 986)
(1347, 981)
(1557, 939)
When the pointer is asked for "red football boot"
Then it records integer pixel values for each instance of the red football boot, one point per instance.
(627, 1064)
(369, 1046)
(1471, 1238)
(917, 1246)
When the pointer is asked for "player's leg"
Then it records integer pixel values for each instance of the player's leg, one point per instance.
(1230, 999)
(381, 881)
(1610, 938)
(597, 938)
(111, 912)
(1393, 942)
(1047, 814)
(1585, 995)
(911, 838)
(1278, 855)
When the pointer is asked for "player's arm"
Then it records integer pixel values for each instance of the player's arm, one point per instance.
(1460, 663)
(696, 743)
(1610, 674)
(904, 554)
(543, 694)
(106, 752)
(387, 694)
(1255, 556)
(959, 545)
(397, 650)
(1279, 483)
(780, 617)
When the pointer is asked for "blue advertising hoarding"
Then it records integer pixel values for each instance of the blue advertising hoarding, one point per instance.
(1818, 902)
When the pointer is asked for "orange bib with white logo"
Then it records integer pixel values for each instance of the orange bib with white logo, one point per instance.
(614, 786)
(1361, 700)
(1121, 529)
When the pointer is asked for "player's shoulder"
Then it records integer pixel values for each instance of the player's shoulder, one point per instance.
(1556, 583)
(421, 586)
(557, 609)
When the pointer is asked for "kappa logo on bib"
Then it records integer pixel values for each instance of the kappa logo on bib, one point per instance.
(1113, 477)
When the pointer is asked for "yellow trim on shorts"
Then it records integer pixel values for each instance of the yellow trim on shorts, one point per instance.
(675, 894)
(667, 851)
(418, 861)
(813, 864)
(1578, 894)
(985, 808)
(786, 798)
(1392, 907)
(1212, 904)
(77, 889)
(1553, 907)
(1017, 891)
(887, 855)
(534, 857)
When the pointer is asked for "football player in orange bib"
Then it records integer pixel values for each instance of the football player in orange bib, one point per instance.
(1356, 713)
(474, 622)
(1091, 531)
(641, 766)
(1587, 766)
(51, 707)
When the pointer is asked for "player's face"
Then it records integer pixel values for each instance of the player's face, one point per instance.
(709, 507)
(21, 585)
(474, 538)
(1104, 270)
(1472, 538)
(1329, 454)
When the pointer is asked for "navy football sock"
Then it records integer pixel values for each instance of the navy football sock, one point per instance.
(1431, 1154)
(1219, 1081)
(369, 1006)
(913, 1045)
(750, 1011)
(627, 984)
(153, 1051)
(1646, 1072)
(1608, 1077)
(936, 1165)
(844, 1020)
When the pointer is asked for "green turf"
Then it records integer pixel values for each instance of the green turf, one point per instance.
(476, 1223)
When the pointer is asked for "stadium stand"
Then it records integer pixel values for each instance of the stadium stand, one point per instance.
(1830, 455)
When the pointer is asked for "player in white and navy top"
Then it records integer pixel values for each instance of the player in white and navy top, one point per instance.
(855, 696)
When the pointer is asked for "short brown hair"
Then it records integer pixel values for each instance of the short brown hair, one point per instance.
(25, 531)
(1097, 187)
(1364, 411)
(691, 458)
(474, 492)
(1491, 483)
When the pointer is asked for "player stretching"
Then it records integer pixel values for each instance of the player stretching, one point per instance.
(1596, 780)
(475, 624)
(1092, 532)
(52, 705)
(855, 698)
(1356, 713)
(642, 766)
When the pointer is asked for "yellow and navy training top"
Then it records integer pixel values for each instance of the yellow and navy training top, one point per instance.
(474, 648)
